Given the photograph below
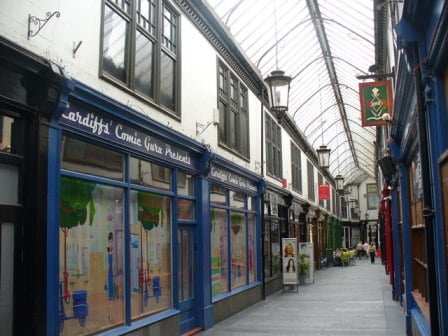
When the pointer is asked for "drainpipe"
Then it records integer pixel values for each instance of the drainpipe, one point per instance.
(428, 210)
(263, 284)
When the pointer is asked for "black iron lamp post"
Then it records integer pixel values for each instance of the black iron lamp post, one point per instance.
(278, 91)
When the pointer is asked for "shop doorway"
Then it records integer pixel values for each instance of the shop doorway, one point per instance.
(186, 278)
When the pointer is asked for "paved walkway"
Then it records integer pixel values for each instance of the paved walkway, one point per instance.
(352, 300)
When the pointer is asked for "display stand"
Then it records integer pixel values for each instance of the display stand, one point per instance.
(289, 264)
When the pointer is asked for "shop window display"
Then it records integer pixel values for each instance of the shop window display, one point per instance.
(252, 247)
(219, 252)
(150, 217)
(91, 281)
(233, 234)
(238, 246)
(92, 226)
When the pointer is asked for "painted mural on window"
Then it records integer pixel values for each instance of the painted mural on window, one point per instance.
(91, 288)
(151, 282)
(219, 254)
(91, 283)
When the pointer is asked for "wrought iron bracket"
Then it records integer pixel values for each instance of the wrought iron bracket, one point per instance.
(200, 128)
(39, 23)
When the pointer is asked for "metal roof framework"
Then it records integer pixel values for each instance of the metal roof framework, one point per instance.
(323, 45)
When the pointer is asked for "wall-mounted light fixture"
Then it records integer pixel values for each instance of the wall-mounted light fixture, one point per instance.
(278, 91)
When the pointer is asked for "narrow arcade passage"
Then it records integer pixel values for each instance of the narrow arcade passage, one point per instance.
(352, 300)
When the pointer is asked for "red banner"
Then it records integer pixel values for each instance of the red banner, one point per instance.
(324, 192)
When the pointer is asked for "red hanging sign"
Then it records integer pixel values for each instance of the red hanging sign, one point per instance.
(324, 192)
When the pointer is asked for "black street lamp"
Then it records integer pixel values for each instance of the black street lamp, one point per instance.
(323, 154)
(278, 91)
(339, 183)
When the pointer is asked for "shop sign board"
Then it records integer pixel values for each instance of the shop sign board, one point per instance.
(97, 124)
(225, 176)
(376, 103)
(289, 261)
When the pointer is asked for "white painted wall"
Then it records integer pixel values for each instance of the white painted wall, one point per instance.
(81, 21)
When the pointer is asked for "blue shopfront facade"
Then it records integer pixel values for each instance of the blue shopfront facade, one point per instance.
(419, 144)
(146, 228)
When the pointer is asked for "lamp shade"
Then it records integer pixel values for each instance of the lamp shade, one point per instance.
(387, 166)
(278, 91)
(323, 154)
(339, 183)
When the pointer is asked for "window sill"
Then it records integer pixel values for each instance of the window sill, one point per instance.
(236, 291)
(149, 101)
(233, 151)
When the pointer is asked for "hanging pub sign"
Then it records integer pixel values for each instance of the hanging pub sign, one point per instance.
(376, 103)
(324, 192)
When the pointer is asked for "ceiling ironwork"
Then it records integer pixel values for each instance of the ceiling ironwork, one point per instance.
(323, 45)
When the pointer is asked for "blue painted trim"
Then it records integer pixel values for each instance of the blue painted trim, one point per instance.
(127, 245)
(141, 323)
(420, 322)
(258, 229)
(203, 255)
(174, 246)
(396, 290)
(406, 245)
(437, 126)
(52, 304)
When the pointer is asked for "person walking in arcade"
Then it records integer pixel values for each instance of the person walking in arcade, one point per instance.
(372, 251)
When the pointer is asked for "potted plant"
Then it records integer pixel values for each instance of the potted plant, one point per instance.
(304, 267)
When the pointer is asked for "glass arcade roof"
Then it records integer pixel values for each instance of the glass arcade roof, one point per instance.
(323, 45)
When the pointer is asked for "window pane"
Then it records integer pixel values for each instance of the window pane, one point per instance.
(144, 50)
(275, 247)
(185, 184)
(91, 255)
(219, 250)
(10, 129)
(237, 200)
(150, 174)
(218, 195)
(186, 209)
(238, 248)
(169, 30)
(252, 247)
(114, 45)
(267, 248)
(150, 218)
(146, 15)
(185, 241)
(7, 239)
(90, 159)
(222, 121)
(251, 203)
(167, 80)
